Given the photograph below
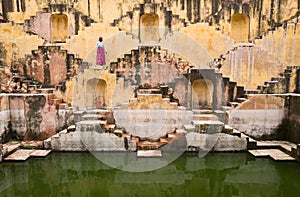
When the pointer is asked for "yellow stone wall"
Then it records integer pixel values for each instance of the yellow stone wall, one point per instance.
(251, 66)
(283, 43)
(213, 41)
(17, 42)
(262, 102)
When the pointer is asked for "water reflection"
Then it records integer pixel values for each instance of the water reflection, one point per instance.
(217, 174)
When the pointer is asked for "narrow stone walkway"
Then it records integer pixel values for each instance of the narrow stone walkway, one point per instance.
(275, 154)
(24, 154)
(283, 144)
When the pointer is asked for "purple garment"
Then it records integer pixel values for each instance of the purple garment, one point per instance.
(100, 59)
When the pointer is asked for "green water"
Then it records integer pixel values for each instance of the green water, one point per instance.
(218, 174)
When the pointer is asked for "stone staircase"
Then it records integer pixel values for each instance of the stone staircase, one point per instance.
(282, 42)
(24, 77)
(275, 49)
(15, 35)
(286, 82)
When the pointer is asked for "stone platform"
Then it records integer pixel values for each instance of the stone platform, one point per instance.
(24, 154)
(275, 154)
(149, 153)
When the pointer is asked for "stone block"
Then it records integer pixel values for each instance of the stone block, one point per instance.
(71, 128)
(208, 126)
(89, 126)
(47, 143)
(189, 127)
(151, 124)
(132, 145)
(78, 115)
(227, 142)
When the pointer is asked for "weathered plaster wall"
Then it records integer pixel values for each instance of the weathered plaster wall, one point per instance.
(47, 65)
(83, 141)
(31, 116)
(16, 42)
(260, 117)
(283, 43)
(216, 142)
(214, 42)
(251, 66)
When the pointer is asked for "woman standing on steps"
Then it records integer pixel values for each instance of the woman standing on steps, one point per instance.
(101, 51)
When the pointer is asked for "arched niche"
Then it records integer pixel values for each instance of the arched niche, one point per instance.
(202, 94)
(240, 27)
(149, 30)
(59, 27)
(95, 94)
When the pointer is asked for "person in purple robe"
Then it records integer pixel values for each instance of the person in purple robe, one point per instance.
(101, 51)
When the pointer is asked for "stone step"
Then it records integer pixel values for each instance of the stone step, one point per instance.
(164, 140)
(221, 115)
(171, 135)
(226, 108)
(227, 129)
(236, 133)
(189, 127)
(46, 90)
(210, 127)
(97, 111)
(90, 126)
(149, 153)
(269, 83)
(262, 87)
(241, 99)
(202, 111)
(71, 128)
(78, 115)
(147, 145)
(109, 127)
(32, 144)
(90, 117)
(255, 91)
(205, 117)
(234, 104)
(10, 147)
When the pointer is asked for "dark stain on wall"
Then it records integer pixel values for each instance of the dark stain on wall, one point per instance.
(293, 116)
(189, 9)
(7, 6)
(34, 116)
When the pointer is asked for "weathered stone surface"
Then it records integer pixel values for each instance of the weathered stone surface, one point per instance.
(152, 124)
(206, 126)
(275, 154)
(260, 116)
(87, 141)
(230, 143)
(216, 142)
